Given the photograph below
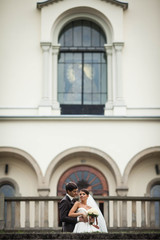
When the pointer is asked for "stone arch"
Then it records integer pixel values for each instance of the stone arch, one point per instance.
(153, 151)
(84, 151)
(82, 13)
(24, 156)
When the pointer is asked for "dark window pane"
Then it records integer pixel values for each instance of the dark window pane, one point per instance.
(96, 98)
(7, 190)
(96, 57)
(87, 98)
(86, 30)
(61, 78)
(88, 72)
(96, 78)
(77, 34)
(97, 187)
(103, 98)
(77, 58)
(72, 98)
(95, 36)
(68, 36)
(68, 57)
(61, 57)
(155, 192)
(104, 78)
(102, 39)
(88, 57)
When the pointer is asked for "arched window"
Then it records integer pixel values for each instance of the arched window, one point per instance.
(85, 177)
(82, 69)
(8, 190)
(155, 192)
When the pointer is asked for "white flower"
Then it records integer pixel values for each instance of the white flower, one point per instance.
(93, 212)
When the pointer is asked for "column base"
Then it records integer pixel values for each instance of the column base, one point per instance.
(44, 110)
(122, 191)
(43, 192)
(120, 110)
(108, 111)
(56, 109)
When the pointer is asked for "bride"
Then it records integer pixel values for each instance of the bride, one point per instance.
(81, 209)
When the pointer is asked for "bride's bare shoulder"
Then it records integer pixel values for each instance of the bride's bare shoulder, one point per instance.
(77, 203)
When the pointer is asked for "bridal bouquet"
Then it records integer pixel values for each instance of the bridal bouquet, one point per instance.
(92, 215)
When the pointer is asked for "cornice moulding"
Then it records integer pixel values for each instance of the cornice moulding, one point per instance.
(123, 5)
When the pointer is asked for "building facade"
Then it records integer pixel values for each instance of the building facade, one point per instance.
(79, 97)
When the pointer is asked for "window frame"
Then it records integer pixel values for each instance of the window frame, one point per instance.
(83, 108)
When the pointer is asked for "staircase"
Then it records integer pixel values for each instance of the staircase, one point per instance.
(70, 236)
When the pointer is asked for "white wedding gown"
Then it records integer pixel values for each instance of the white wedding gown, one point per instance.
(82, 227)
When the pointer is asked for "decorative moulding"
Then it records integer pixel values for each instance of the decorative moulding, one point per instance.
(124, 5)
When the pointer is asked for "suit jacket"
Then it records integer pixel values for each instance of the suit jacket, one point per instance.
(68, 223)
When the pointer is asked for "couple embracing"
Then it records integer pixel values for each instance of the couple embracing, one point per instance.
(80, 216)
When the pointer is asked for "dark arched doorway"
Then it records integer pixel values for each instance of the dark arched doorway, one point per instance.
(85, 177)
(8, 190)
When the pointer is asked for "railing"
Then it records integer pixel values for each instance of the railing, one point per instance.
(42, 212)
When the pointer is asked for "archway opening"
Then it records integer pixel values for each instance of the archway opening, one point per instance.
(85, 177)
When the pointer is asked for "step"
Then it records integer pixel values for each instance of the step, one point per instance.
(75, 236)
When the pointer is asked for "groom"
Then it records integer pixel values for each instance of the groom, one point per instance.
(66, 204)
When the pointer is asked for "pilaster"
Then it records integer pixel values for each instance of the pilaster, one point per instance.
(119, 105)
(109, 104)
(55, 103)
(45, 106)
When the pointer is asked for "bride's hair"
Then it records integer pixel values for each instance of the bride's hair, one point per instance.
(84, 190)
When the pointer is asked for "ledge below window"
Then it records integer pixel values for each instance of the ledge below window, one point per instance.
(67, 109)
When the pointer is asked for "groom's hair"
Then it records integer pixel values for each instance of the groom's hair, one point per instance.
(71, 186)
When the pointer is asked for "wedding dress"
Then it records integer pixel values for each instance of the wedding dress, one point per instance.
(84, 226)
(101, 221)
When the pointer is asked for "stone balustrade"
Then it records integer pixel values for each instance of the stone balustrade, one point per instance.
(42, 212)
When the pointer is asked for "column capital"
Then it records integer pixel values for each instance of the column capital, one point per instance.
(45, 46)
(55, 48)
(108, 48)
(118, 46)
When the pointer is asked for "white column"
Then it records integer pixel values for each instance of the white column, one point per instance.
(119, 105)
(55, 104)
(47, 85)
(109, 104)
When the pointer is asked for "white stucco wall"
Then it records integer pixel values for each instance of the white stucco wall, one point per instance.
(142, 54)
(22, 174)
(23, 27)
(20, 58)
(44, 140)
(141, 175)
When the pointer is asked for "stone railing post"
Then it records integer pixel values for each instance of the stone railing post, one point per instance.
(2, 220)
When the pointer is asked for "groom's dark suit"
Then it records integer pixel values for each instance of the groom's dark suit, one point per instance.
(68, 223)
